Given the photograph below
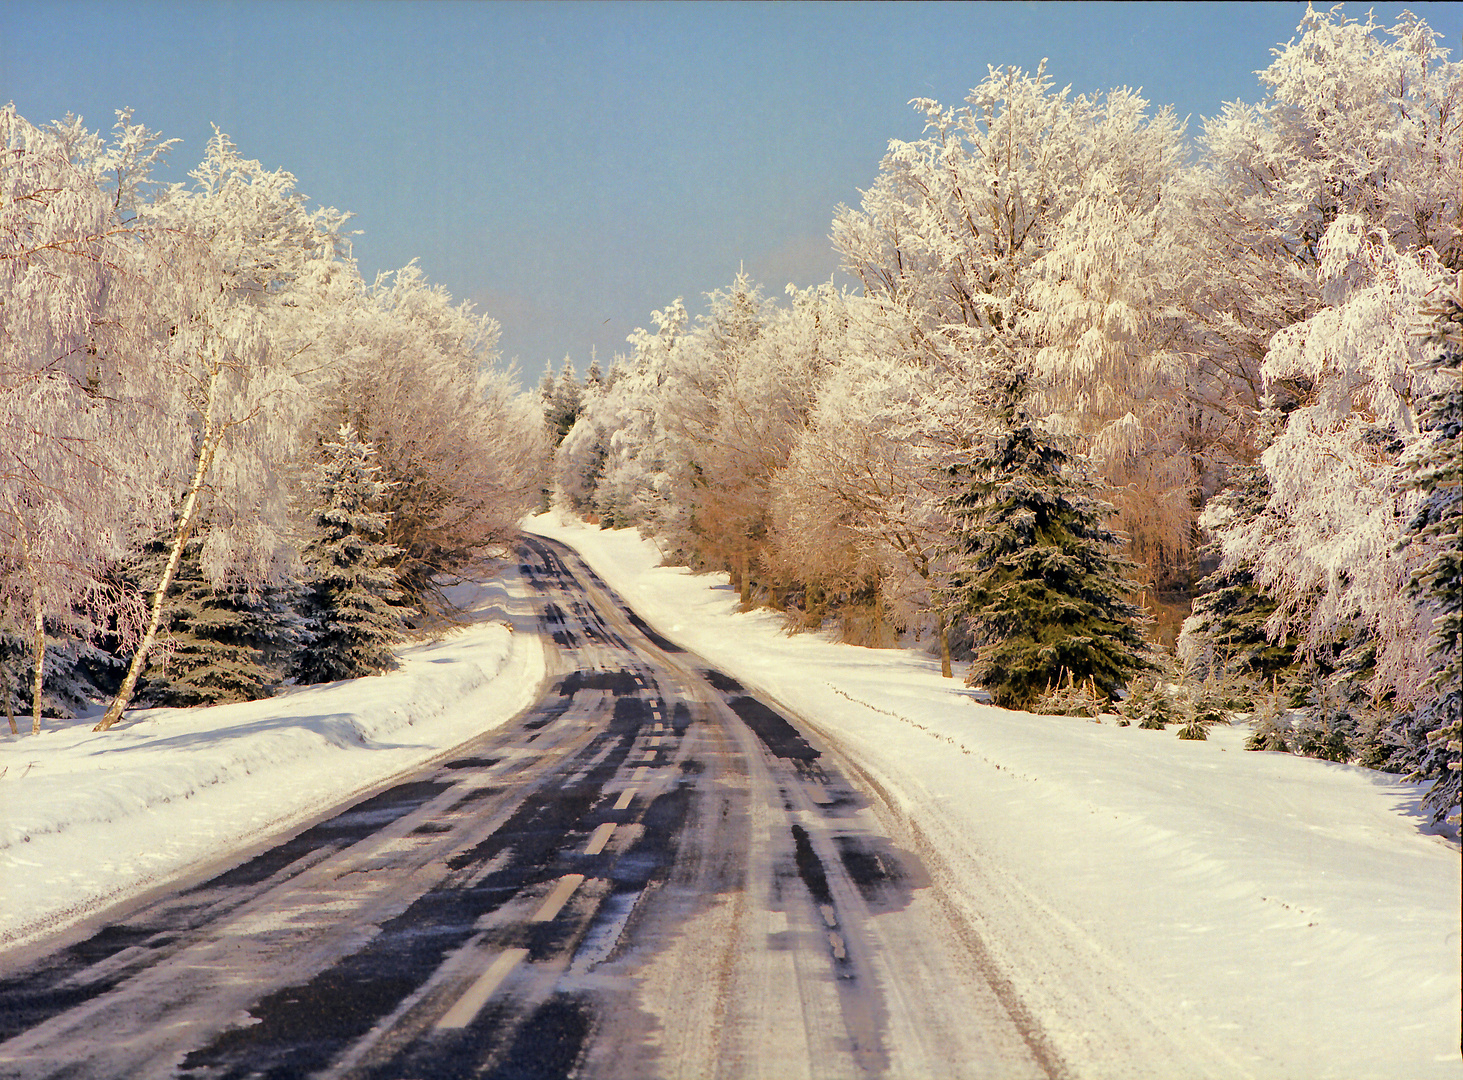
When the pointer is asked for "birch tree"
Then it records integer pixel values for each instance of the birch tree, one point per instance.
(244, 254)
(77, 376)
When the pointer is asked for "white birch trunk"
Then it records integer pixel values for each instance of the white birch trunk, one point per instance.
(40, 667)
(208, 444)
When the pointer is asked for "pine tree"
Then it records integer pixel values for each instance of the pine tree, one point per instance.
(1436, 727)
(351, 605)
(1037, 569)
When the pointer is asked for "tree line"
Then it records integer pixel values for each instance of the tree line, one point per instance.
(1101, 382)
(226, 461)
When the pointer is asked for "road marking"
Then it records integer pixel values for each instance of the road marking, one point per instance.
(625, 798)
(638, 775)
(600, 838)
(472, 1002)
(654, 740)
(555, 901)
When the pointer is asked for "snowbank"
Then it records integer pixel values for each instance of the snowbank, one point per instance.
(89, 818)
(1164, 907)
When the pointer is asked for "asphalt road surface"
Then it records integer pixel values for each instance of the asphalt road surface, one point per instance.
(650, 873)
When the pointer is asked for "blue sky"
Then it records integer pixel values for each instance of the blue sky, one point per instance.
(569, 167)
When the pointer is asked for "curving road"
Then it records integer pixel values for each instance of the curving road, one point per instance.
(651, 873)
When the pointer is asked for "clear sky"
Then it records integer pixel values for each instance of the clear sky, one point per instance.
(569, 167)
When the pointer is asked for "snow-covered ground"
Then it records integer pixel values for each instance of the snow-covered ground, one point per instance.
(1185, 907)
(1162, 907)
(87, 819)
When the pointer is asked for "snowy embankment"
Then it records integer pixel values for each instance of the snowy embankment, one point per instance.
(87, 819)
(1162, 907)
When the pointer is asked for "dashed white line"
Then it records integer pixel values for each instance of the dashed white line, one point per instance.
(600, 838)
(626, 797)
(558, 897)
(471, 1003)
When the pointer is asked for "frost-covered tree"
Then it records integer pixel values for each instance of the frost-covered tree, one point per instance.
(736, 401)
(687, 436)
(718, 425)
(1108, 369)
(1227, 634)
(80, 464)
(164, 360)
(245, 259)
(351, 605)
(562, 400)
(1325, 547)
(465, 452)
(1434, 734)
(1037, 569)
(1027, 228)
(859, 506)
(1323, 219)
(1356, 120)
(619, 460)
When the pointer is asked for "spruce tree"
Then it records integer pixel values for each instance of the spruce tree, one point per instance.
(1037, 571)
(1227, 635)
(351, 605)
(563, 400)
(222, 643)
(1435, 730)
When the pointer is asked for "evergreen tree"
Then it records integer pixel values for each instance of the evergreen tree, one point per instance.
(13, 657)
(222, 643)
(1037, 569)
(351, 605)
(563, 400)
(1226, 634)
(1434, 729)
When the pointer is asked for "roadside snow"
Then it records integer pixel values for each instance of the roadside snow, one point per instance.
(87, 819)
(1162, 907)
